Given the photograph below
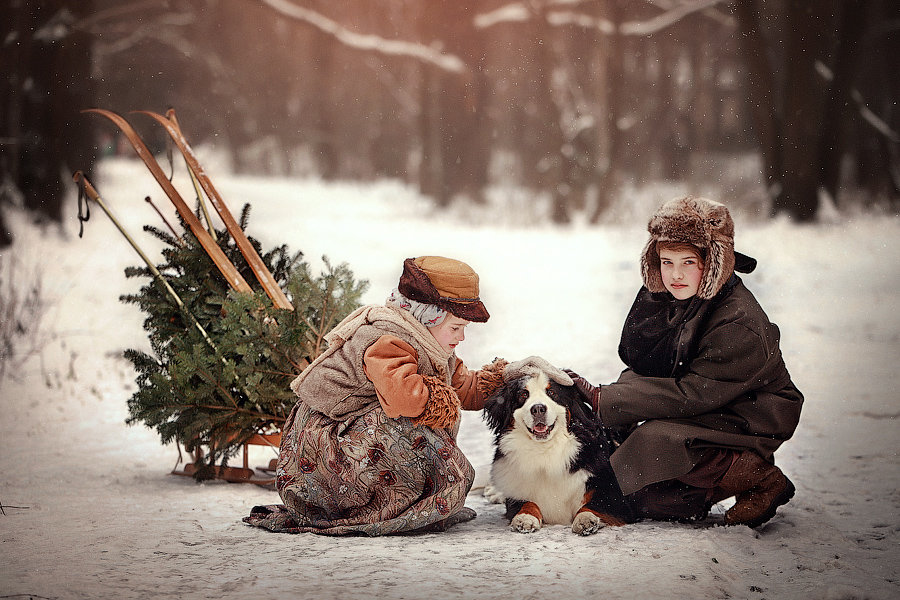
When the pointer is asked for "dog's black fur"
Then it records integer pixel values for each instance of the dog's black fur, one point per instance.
(541, 450)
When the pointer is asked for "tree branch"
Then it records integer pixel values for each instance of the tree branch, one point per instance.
(447, 62)
(673, 12)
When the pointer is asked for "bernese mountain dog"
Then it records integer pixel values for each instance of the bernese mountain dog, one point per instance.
(551, 459)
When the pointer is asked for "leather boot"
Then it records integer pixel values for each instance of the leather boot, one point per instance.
(760, 488)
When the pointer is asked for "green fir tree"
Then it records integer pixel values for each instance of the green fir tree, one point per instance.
(211, 393)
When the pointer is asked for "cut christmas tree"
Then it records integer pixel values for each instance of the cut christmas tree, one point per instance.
(222, 357)
(212, 395)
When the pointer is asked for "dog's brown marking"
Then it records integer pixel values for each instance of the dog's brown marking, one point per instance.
(530, 508)
(608, 519)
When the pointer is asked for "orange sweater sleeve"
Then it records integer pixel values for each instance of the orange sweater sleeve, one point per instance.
(475, 387)
(392, 366)
(465, 382)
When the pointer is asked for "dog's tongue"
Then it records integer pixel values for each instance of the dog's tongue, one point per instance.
(540, 428)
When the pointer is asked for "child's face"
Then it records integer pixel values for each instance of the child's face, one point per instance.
(450, 332)
(681, 272)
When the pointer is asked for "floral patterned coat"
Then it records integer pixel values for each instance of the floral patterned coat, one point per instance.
(357, 456)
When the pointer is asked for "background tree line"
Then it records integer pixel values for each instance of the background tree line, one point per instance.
(566, 99)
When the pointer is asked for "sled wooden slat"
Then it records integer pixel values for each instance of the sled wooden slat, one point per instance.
(265, 278)
(242, 474)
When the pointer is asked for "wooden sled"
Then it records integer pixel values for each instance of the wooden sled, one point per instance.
(261, 476)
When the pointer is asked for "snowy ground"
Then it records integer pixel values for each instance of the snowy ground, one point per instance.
(91, 511)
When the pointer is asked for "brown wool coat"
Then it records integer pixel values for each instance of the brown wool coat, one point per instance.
(736, 394)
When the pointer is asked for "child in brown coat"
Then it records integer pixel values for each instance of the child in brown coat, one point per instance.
(706, 394)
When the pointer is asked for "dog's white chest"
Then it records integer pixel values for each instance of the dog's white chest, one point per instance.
(540, 473)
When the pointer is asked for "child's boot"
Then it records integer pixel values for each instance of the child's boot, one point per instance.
(760, 488)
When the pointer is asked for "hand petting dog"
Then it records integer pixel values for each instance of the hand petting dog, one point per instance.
(589, 391)
(533, 364)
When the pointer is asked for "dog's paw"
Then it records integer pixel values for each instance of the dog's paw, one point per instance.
(525, 523)
(493, 495)
(587, 523)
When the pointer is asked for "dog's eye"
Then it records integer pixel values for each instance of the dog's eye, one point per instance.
(551, 392)
(523, 395)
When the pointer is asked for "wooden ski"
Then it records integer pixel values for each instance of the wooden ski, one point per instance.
(263, 275)
(225, 266)
(85, 187)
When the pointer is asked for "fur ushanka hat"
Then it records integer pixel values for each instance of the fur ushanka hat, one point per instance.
(704, 223)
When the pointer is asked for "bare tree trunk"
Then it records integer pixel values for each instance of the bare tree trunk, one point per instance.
(811, 27)
(455, 135)
(44, 136)
(764, 106)
(838, 108)
(431, 166)
(581, 155)
(865, 79)
(542, 150)
(610, 181)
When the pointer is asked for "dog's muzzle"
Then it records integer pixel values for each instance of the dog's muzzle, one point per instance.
(539, 428)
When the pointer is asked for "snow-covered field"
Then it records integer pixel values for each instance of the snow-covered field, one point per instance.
(90, 510)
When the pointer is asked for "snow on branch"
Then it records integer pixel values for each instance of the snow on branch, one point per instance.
(666, 19)
(866, 113)
(511, 13)
(447, 62)
(518, 12)
(709, 12)
(561, 18)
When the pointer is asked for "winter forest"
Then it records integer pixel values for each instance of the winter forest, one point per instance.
(531, 139)
(569, 101)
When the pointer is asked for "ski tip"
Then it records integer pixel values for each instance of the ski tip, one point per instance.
(99, 111)
(162, 120)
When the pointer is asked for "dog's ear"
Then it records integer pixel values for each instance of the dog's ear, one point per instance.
(496, 408)
(499, 408)
(580, 411)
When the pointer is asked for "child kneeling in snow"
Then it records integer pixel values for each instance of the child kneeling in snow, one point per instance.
(706, 391)
(369, 447)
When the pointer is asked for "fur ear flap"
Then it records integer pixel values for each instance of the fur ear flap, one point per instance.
(650, 267)
(718, 268)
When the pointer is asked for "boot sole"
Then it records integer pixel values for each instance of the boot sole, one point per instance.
(781, 499)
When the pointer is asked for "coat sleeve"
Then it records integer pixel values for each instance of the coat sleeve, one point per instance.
(731, 361)
(392, 366)
(474, 387)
